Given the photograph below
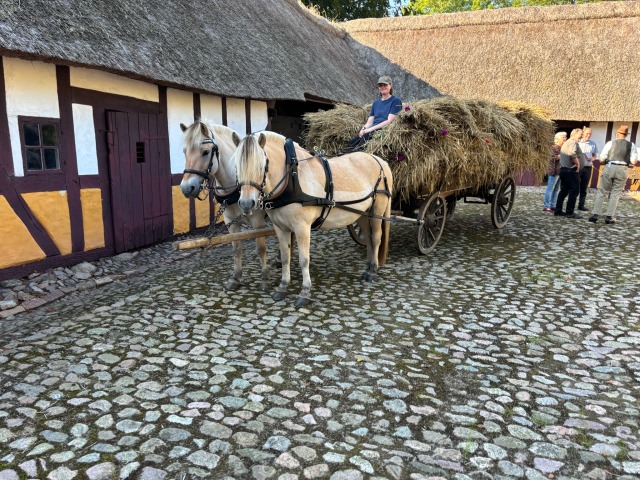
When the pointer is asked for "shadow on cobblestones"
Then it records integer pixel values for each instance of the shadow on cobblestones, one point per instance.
(504, 354)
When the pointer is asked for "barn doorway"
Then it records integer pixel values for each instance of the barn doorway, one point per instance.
(285, 117)
(140, 180)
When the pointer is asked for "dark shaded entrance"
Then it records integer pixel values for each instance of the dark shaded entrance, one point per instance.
(285, 117)
(140, 179)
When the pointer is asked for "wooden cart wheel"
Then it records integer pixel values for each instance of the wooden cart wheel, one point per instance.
(356, 233)
(432, 216)
(502, 202)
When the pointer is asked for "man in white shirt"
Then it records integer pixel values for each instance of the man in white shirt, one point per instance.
(590, 151)
(619, 155)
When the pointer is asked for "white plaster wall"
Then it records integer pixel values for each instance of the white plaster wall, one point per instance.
(115, 84)
(32, 91)
(599, 134)
(259, 116)
(211, 109)
(236, 116)
(85, 137)
(179, 110)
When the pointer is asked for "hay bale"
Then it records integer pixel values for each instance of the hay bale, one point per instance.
(444, 143)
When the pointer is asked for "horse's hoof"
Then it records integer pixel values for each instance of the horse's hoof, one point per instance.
(277, 296)
(367, 277)
(232, 285)
(265, 286)
(302, 302)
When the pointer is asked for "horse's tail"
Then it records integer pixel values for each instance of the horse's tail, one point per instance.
(383, 251)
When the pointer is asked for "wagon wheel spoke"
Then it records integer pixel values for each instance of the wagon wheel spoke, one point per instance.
(502, 202)
(432, 217)
(357, 234)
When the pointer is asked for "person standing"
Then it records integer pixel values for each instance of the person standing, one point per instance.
(553, 172)
(619, 154)
(590, 151)
(571, 160)
(383, 111)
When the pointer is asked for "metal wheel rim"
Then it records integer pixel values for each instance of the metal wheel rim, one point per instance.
(433, 214)
(502, 203)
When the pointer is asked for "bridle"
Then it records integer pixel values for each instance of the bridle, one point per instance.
(208, 182)
(260, 186)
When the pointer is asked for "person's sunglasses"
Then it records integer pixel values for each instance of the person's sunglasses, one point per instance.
(383, 84)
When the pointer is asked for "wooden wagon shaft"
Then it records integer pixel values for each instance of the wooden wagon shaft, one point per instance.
(222, 239)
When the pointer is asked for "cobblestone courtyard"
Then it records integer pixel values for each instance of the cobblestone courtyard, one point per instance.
(509, 353)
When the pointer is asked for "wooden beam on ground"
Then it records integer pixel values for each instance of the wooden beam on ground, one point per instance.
(222, 239)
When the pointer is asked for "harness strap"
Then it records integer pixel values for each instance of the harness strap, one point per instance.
(293, 193)
(229, 199)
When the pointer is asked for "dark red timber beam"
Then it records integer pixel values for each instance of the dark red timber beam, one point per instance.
(163, 132)
(197, 113)
(609, 135)
(224, 111)
(7, 185)
(247, 115)
(68, 156)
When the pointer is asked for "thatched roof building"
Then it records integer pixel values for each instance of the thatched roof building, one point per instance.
(579, 61)
(262, 49)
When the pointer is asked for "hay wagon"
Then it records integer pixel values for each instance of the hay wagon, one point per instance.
(444, 150)
(429, 210)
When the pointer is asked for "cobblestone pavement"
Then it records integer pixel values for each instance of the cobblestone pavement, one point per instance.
(509, 353)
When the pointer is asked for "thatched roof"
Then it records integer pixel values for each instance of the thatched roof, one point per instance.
(578, 61)
(261, 49)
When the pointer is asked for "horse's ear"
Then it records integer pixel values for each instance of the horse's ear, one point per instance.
(183, 127)
(262, 140)
(236, 139)
(204, 130)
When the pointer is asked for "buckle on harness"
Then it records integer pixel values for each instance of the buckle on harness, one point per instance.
(267, 205)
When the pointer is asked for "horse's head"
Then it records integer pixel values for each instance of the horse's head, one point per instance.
(251, 164)
(202, 156)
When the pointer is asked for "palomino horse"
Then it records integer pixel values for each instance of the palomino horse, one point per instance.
(208, 150)
(361, 191)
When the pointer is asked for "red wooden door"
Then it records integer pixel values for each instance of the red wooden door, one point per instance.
(140, 176)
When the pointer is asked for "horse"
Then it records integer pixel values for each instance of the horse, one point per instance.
(208, 151)
(354, 187)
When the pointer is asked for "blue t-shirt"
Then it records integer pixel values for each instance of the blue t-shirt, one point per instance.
(381, 109)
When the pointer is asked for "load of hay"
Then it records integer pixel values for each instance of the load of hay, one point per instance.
(444, 143)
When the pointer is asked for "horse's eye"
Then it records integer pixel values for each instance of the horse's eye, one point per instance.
(205, 153)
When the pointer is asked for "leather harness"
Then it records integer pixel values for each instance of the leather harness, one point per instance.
(292, 192)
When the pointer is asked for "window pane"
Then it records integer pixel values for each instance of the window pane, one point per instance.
(51, 159)
(34, 162)
(31, 134)
(49, 136)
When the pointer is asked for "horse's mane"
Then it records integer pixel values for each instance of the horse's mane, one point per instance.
(193, 134)
(250, 161)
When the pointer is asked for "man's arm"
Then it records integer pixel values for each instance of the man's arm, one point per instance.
(605, 151)
(389, 119)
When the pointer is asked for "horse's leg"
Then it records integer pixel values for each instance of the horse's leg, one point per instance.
(277, 261)
(257, 222)
(234, 282)
(303, 237)
(375, 237)
(284, 241)
(365, 226)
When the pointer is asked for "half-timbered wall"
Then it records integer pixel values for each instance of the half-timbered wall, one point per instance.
(65, 216)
